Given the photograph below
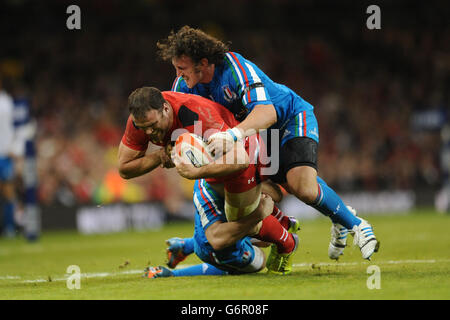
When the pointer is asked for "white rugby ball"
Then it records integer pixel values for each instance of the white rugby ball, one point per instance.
(192, 149)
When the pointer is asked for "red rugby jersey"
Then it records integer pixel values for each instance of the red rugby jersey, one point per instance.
(191, 112)
(189, 109)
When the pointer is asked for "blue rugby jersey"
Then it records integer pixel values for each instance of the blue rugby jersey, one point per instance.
(239, 85)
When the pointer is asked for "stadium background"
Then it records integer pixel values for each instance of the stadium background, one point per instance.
(381, 96)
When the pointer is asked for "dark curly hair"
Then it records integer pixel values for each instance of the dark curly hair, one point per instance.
(193, 43)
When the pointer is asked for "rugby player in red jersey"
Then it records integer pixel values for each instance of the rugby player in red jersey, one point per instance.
(158, 117)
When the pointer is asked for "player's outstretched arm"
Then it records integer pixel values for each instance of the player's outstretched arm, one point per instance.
(133, 163)
(260, 118)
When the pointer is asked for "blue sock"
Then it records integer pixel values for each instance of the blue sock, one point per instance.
(188, 247)
(8, 211)
(331, 205)
(204, 269)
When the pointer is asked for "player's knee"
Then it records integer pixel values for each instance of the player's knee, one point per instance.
(306, 194)
(303, 183)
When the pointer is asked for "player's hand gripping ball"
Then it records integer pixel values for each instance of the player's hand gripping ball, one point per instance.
(220, 143)
(190, 152)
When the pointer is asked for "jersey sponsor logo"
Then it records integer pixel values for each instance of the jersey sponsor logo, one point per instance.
(228, 95)
(314, 132)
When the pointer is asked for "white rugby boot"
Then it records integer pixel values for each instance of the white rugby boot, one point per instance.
(364, 238)
(338, 240)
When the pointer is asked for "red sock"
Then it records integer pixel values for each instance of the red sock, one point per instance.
(284, 220)
(272, 231)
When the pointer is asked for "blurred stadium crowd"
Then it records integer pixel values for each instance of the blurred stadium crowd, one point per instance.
(367, 86)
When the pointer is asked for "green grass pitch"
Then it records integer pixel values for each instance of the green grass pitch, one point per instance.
(414, 263)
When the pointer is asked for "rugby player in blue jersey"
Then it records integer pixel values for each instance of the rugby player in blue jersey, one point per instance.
(205, 66)
(229, 248)
(7, 190)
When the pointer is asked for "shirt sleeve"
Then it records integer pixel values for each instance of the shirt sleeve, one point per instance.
(134, 138)
(246, 81)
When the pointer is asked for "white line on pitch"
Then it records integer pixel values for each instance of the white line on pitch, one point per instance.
(308, 264)
(83, 275)
(299, 265)
(9, 277)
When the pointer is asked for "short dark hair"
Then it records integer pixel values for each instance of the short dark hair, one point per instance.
(143, 100)
(193, 43)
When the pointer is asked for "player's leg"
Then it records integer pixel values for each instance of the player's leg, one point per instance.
(203, 269)
(209, 205)
(240, 255)
(8, 193)
(241, 201)
(209, 209)
(178, 249)
(243, 258)
(273, 190)
(304, 183)
(298, 155)
(242, 197)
